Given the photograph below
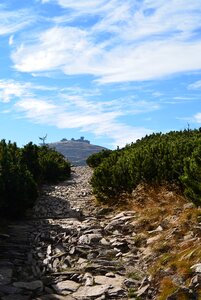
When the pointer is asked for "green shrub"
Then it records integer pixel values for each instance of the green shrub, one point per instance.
(21, 173)
(156, 159)
(192, 176)
(30, 158)
(54, 167)
(18, 190)
(96, 159)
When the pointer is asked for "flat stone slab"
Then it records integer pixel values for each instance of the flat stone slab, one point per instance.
(67, 285)
(89, 238)
(116, 281)
(84, 292)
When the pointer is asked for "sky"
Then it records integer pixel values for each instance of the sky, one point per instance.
(109, 70)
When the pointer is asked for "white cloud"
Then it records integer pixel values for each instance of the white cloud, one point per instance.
(193, 119)
(197, 118)
(164, 19)
(147, 40)
(84, 6)
(137, 19)
(81, 115)
(128, 41)
(157, 94)
(11, 89)
(194, 86)
(68, 49)
(11, 40)
(75, 111)
(74, 52)
(36, 109)
(13, 21)
(151, 60)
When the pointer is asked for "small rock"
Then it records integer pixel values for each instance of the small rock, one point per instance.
(197, 268)
(125, 215)
(188, 236)
(195, 281)
(49, 249)
(104, 242)
(89, 279)
(89, 238)
(131, 283)
(72, 250)
(153, 239)
(81, 261)
(116, 292)
(141, 291)
(158, 229)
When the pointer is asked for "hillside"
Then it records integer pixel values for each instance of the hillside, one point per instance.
(76, 151)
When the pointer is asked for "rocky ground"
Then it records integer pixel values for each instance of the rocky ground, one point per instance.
(71, 248)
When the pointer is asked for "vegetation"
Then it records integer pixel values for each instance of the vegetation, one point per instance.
(162, 212)
(192, 176)
(96, 159)
(22, 171)
(159, 158)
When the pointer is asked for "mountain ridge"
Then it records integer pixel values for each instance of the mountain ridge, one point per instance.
(76, 151)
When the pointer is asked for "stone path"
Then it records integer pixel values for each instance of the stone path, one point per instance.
(71, 249)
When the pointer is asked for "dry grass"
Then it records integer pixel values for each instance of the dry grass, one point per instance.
(167, 287)
(179, 245)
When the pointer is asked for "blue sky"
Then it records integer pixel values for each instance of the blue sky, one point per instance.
(112, 71)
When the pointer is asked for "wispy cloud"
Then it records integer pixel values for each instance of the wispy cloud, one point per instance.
(197, 118)
(77, 113)
(195, 85)
(113, 41)
(11, 89)
(13, 21)
(129, 41)
(72, 51)
(71, 110)
(133, 19)
(85, 6)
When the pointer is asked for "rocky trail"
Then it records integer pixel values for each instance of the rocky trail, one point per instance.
(69, 248)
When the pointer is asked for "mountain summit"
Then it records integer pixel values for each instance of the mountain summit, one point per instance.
(76, 151)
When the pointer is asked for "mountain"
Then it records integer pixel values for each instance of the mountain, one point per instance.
(76, 151)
